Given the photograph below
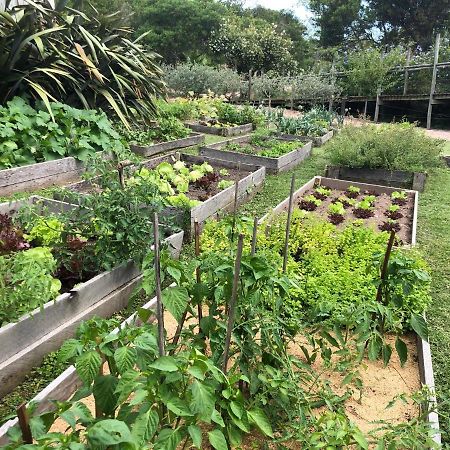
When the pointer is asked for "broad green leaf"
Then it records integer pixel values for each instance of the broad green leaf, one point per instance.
(125, 358)
(203, 400)
(402, 350)
(179, 407)
(196, 435)
(88, 366)
(386, 352)
(104, 391)
(175, 300)
(361, 440)
(217, 440)
(217, 418)
(168, 439)
(374, 347)
(69, 349)
(419, 325)
(109, 432)
(145, 427)
(165, 364)
(258, 417)
(237, 408)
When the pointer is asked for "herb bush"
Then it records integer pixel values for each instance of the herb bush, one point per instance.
(400, 146)
(29, 135)
(271, 148)
(239, 115)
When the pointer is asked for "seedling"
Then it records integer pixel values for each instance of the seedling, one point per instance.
(363, 209)
(352, 191)
(224, 184)
(321, 192)
(399, 198)
(310, 203)
(346, 202)
(336, 213)
(224, 172)
(393, 212)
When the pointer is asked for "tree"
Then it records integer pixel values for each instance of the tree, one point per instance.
(410, 20)
(335, 19)
(253, 44)
(178, 29)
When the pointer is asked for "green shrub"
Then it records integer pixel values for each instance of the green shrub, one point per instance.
(29, 135)
(389, 146)
(315, 122)
(239, 115)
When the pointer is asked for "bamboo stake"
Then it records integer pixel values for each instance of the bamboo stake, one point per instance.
(385, 264)
(234, 210)
(288, 223)
(159, 305)
(255, 229)
(197, 270)
(24, 423)
(232, 308)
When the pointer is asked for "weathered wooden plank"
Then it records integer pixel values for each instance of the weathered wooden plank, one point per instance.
(150, 150)
(231, 131)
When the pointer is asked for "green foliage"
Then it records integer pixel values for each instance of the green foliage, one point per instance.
(336, 208)
(315, 122)
(224, 184)
(167, 129)
(388, 146)
(239, 115)
(26, 282)
(45, 231)
(369, 70)
(52, 52)
(200, 79)
(271, 148)
(252, 44)
(31, 135)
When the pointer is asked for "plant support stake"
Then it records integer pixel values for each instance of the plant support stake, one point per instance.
(288, 223)
(22, 415)
(255, 229)
(232, 308)
(385, 265)
(197, 270)
(236, 186)
(159, 306)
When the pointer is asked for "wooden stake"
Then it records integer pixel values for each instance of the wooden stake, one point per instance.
(288, 223)
(232, 308)
(433, 79)
(159, 305)
(385, 264)
(255, 229)
(24, 423)
(197, 270)
(120, 168)
(236, 186)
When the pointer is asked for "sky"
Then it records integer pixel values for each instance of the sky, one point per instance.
(296, 6)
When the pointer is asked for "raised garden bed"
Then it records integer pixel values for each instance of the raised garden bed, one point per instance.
(154, 149)
(376, 218)
(282, 163)
(35, 334)
(213, 198)
(317, 141)
(396, 178)
(219, 129)
(40, 175)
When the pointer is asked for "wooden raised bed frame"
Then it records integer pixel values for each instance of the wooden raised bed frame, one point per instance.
(222, 131)
(34, 335)
(272, 165)
(423, 347)
(150, 150)
(318, 141)
(222, 201)
(395, 178)
(40, 175)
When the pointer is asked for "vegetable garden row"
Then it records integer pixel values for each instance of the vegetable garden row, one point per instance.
(293, 330)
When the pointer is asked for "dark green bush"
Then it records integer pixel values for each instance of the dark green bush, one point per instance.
(400, 146)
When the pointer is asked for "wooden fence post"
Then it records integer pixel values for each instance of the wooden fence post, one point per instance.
(377, 106)
(433, 79)
(408, 60)
(159, 305)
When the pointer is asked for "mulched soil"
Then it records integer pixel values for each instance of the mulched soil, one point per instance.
(381, 204)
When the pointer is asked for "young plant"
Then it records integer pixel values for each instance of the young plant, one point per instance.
(347, 202)
(390, 225)
(393, 212)
(336, 213)
(11, 237)
(223, 172)
(352, 191)
(224, 184)
(310, 203)
(363, 209)
(399, 198)
(321, 192)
